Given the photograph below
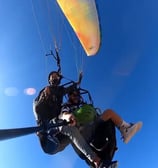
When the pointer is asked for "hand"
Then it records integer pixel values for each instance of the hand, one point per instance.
(72, 120)
(47, 92)
(80, 78)
(69, 118)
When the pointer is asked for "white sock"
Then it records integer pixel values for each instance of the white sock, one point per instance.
(125, 124)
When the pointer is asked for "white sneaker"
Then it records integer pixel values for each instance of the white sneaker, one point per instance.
(128, 133)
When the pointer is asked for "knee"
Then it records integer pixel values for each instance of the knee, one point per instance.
(109, 111)
(107, 114)
(49, 147)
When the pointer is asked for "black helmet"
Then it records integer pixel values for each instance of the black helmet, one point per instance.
(76, 94)
(56, 80)
(74, 91)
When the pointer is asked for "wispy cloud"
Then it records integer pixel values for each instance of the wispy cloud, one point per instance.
(126, 64)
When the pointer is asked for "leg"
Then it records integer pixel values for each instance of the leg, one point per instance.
(80, 143)
(111, 115)
(77, 139)
(52, 145)
(127, 130)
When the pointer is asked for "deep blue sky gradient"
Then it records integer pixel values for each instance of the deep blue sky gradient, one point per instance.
(122, 76)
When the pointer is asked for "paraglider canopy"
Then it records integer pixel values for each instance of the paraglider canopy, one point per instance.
(82, 16)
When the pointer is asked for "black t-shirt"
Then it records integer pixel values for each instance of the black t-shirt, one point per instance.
(46, 109)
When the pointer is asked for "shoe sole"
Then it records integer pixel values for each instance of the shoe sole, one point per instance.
(137, 127)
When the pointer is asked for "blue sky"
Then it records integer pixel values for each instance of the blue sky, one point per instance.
(122, 76)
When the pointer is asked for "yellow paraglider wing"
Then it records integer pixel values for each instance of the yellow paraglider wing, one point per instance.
(82, 16)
